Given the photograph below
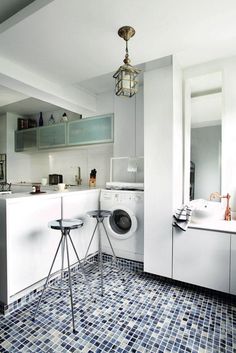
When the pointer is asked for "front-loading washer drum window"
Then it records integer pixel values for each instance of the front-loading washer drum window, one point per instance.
(122, 223)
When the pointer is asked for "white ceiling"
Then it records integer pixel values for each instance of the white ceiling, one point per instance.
(71, 42)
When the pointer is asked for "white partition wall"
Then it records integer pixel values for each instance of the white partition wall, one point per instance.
(162, 147)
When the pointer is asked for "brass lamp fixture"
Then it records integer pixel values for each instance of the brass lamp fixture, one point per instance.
(126, 75)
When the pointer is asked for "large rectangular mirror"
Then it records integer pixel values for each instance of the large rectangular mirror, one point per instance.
(203, 116)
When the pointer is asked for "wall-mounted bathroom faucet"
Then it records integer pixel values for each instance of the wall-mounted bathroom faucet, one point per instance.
(216, 195)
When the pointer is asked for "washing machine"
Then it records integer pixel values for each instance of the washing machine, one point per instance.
(125, 226)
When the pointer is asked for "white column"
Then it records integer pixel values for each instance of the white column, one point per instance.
(160, 125)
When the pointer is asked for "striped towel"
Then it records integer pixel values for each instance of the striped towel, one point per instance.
(182, 217)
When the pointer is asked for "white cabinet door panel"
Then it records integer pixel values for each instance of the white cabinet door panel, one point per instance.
(233, 265)
(202, 257)
(30, 243)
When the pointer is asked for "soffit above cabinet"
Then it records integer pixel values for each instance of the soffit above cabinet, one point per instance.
(27, 105)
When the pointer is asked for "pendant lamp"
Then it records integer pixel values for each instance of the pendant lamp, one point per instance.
(126, 81)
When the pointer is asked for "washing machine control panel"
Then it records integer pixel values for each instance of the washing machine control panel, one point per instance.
(122, 196)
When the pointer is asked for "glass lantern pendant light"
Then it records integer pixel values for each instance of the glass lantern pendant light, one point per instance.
(126, 75)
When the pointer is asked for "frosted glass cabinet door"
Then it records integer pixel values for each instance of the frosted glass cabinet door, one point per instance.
(202, 257)
(97, 129)
(25, 140)
(52, 136)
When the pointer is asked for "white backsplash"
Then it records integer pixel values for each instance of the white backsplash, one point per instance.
(66, 162)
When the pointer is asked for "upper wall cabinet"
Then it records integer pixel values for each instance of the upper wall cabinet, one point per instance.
(97, 129)
(52, 136)
(25, 140)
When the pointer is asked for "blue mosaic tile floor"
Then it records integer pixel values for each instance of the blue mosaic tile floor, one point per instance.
(142, 314)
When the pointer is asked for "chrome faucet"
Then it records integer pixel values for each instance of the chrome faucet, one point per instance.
(78, 177)
(216, 195)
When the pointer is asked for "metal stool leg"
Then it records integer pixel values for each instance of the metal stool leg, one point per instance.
(49, 273)
(62, 261)
(99, 215)
(82, 268)
(85, 258)
(99, 251)
(100, 256)
(70, 283)
(112, 249)
(113, 252)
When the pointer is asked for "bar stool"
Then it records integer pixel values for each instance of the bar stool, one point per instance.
(100, 215)
(65, 226)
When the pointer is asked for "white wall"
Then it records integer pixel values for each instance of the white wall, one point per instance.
(229, 130)
(66, 162)
(18, 164)
(177, 130)
(3, 133)
(105, 103)
(139, 123)
(129, 138)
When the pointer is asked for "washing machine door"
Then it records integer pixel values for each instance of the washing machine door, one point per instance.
(122, 224)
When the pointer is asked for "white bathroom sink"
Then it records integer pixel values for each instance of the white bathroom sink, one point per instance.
(208, 211)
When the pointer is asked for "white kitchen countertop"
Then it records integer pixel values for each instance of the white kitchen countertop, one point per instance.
(220, 226)
(46, 192)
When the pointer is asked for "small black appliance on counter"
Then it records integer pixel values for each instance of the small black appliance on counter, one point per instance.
(55, 179)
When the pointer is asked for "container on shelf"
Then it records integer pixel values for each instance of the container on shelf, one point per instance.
(41, 119)
(51, 120)
(92, 180)
(64, 118)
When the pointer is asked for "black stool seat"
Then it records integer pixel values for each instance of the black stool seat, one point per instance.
(99, 213)
(72, 223)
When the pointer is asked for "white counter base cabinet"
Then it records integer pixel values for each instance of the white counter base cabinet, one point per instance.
(29, 243)
(77, 207)
(233, 265)
(202, 257)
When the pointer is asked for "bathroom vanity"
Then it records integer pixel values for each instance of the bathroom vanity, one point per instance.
(205, 255)
(27, 245)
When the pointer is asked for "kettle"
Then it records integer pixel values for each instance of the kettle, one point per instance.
(55, 179)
